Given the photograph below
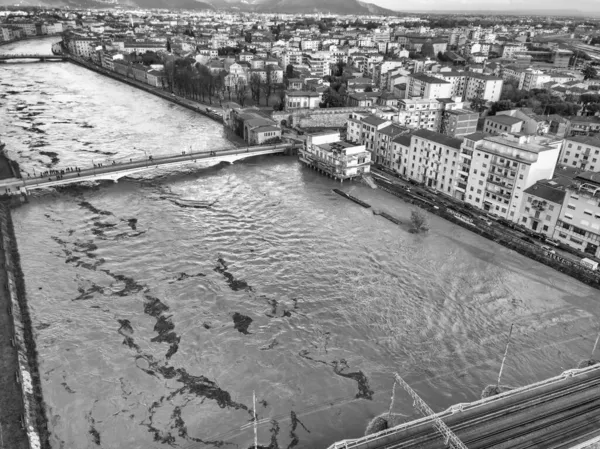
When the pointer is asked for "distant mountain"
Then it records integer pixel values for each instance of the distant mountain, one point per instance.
(340, 7)
(162, 4)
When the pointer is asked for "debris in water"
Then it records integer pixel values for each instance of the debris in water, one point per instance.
(241, 322)
(234, 284)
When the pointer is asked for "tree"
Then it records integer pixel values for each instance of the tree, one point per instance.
(369, 89)
(478, 102)
(269, 84)
(289, 71)
(168, 46)
(418, 221)
(589, 72)
(331, 99)
(256, 86)
(241, 92)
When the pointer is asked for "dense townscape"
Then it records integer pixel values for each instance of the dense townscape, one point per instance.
(494, 118)
(499, 115)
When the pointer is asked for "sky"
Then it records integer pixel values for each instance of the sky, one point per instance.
(592, 6)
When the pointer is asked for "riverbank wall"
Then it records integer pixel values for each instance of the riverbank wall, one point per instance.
(28, 38)
(189, 104)
(535, 252)
(34, 420)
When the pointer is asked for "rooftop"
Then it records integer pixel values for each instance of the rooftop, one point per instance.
(374, 120)
(548, 190)
(504, 119)
(438, 138)
(586, 140)
(428, 79)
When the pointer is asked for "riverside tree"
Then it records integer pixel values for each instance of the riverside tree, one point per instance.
(418, 221)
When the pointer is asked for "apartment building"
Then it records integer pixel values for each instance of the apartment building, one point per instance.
(458, 122)
(382, 151)
(482, 86)
(427, 87)
(579, 223)
(527, 78)
(334, 157)
(494, 171)
(362, 129)
(581, 152)
(469, 85)
(432, 159)
(541, 206)
(81, 46)
(498, 124)
(420, 113)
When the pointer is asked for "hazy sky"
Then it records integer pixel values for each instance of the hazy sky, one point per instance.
(512, 5)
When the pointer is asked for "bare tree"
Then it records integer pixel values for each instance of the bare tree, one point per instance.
(256, 83)
(418, 221)
(269, 84)
(241, 92)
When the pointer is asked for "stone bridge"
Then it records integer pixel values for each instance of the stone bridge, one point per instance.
(116, 171)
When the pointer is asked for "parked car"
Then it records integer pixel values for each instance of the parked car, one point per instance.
(548, 249)
(552, 242)
(528, 239)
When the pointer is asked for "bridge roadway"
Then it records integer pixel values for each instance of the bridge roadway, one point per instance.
(118, 170)
(8, 56)
(558, 413)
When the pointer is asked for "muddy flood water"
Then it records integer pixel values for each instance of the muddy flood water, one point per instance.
(160, 305)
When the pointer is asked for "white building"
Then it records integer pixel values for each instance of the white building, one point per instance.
(494, 171)
(579, 222)
(338, 159)
(581, 152)
(427, 87)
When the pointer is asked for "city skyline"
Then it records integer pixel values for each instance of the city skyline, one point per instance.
(544, 6)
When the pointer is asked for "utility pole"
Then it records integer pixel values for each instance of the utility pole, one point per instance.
(450, 438)
(255, 420)
(504, 358)
(595, 345)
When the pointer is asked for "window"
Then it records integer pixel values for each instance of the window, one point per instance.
(484, 165)
(524, 220)
(551, 207)
(568, 153)
(480, 183)
(565, 160)
(529, 199)
(520, 176)
(569, 216)
(527, 209)
(487, 156)
(587, 212)
(479, 191)
(570, 206)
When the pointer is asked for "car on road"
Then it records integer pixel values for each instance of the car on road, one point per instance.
(548, 249)
(552, 242)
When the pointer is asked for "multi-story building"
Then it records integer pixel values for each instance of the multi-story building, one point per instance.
(382, 150)
(362, 129)
(527, 78)
(334, 157)
(494, 171)
(468, 85)
(299, 99)
(579, 222)
(582, 152)
(432, 159)
(427, 87)
(498, 124)
(420, 114)
(458, 122)
(83, 47)
(482, 86)
(541, 206)
(400, 150)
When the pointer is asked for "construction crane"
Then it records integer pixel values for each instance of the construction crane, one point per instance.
(450, 438)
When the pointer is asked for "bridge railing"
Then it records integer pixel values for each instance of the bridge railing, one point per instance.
(380, 436)
(148, 162)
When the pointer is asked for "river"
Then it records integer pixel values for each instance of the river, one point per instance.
(161, 304)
